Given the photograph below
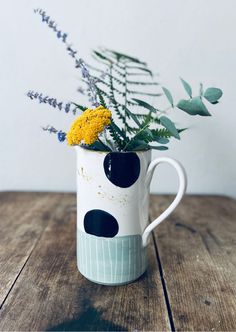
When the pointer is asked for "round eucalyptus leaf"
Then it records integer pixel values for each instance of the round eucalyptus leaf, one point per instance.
(213, 95)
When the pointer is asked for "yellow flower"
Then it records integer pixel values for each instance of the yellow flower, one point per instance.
(88, 126)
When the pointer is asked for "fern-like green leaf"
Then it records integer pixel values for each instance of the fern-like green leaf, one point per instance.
(161, 133)
(101, 99)
(141, 68)
(118, 135)
(158, 147)
(133, 117)
(113, 89)
(121, 56)
(101, 56)
(82, 108)
(108, 85)
(145, 105)
(170, 126)
(144, 93)
(142, 83)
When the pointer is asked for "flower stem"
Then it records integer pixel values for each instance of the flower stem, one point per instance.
(143, 128)
(105, 146)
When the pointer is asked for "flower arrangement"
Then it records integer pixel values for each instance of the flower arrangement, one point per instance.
(118, 118)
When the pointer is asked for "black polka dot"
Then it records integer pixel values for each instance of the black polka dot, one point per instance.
(100, 223)
(122, 169)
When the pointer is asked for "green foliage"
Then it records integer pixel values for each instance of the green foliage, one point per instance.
(118, 69)
(132, 116)
(169, 125)
(113, 84)
(187, 87)
(80, 107)
(193, 106)
(118, 136)
(101, 56)
(201, 90)
(99, 146)
(162, 140)
(101, 99)
(168, 96)
(160, 147)
(116, 139)
(213, 95)
(140, 146)
(162, 132)
(145, 105)
(137, 124)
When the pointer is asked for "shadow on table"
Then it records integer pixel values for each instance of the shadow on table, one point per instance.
(89, 320)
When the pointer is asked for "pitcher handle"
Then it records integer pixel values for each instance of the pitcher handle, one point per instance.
(182, 187)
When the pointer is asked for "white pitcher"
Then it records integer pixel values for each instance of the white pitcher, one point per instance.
(112, 213)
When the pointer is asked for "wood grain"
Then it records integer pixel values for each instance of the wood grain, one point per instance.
(191, 276)
(50, 294)
(23, 217)
(197, 252)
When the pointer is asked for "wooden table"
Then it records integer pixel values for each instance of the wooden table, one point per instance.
(190, 284)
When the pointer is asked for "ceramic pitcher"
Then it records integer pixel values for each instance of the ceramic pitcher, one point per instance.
(112, 213)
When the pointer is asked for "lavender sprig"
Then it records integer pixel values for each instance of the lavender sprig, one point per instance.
(67, 107)
(79, 63)
(80, 89)
(61, 135)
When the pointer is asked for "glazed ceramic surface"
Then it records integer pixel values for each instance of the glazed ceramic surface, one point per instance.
(112, 213)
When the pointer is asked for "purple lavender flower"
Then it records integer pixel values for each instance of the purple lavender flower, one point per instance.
(80, 90)
(51, 24)
(85, 72)
(59, 34)
(64, 36)
(103, 75)
(61, 136)
(50, 129)
(71, 51)
(79, 63)
(60, 105)
(74, 111)
(67, 107)
(51, 101)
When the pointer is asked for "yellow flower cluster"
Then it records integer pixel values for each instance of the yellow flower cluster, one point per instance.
(88, 126)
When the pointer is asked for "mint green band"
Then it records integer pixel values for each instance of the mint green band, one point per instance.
(110, 261)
